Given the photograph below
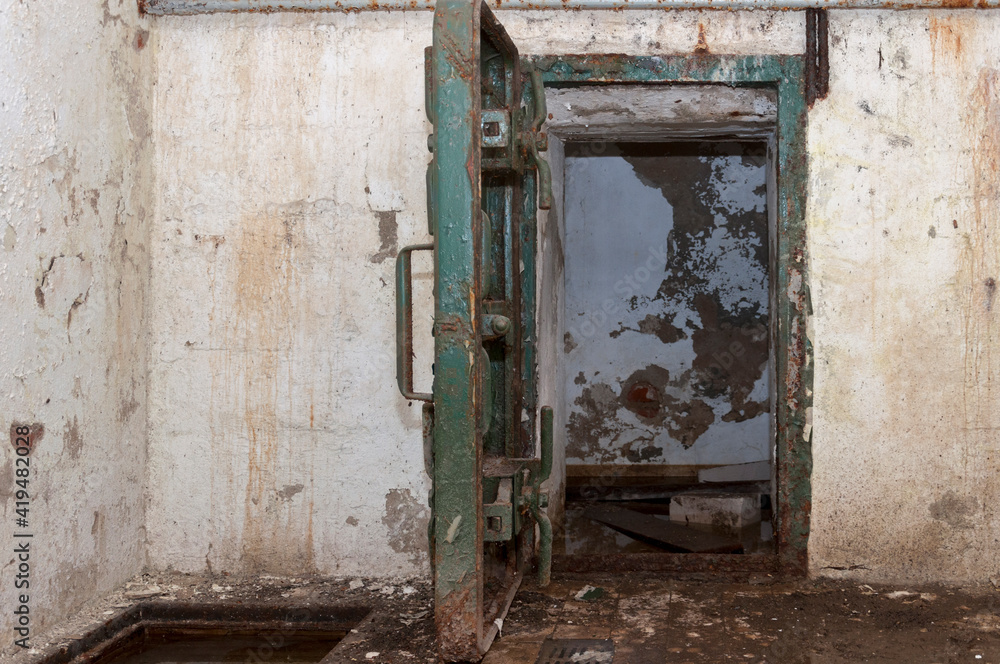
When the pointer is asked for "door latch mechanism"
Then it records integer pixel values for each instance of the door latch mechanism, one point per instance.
(533, 140)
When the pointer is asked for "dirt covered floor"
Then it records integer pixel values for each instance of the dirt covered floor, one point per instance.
(652, 619)
(649, 618)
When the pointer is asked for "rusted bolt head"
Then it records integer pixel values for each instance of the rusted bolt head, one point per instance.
(501, 324)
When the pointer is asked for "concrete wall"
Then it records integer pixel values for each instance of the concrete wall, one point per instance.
(905, 202)
(75, 204)
(291, 154)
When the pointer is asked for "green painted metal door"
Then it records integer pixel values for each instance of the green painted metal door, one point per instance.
(484, 183)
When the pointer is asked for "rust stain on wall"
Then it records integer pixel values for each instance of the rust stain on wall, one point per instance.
(647, 394)
(980, 260)
(701, 47)
(72, 440)
(24, 431)
(946, 39)
(260, 345)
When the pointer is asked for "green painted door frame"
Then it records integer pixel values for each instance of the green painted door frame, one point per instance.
(792, 304)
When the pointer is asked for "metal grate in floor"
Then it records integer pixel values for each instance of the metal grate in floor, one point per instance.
(577, 651)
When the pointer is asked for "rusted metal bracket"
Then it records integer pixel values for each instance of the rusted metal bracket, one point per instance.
(817, 56)
(538, 500)
(535, 141)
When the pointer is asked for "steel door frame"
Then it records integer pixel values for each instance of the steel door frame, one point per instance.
(792, 308)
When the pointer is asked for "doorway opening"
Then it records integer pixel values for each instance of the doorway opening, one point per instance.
(657, 301)
(667, 348)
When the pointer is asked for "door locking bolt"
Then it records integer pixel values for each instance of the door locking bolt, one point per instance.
(495, 325)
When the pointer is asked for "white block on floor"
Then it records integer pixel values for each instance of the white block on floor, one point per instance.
(729, 512)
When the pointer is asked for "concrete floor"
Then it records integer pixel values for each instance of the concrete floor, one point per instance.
(655, 619)
(650, 618)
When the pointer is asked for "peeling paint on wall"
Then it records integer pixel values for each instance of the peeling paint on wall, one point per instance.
(72, 440)
(75, 186)
(667, 301)
(387, 235)
(954, 510)
(406, 518)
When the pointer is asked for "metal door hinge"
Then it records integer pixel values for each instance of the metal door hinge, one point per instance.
(817, 56)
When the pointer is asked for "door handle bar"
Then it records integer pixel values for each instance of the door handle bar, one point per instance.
(404, 323)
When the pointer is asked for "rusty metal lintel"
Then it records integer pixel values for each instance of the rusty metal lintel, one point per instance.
(188, 7)
(817, 56)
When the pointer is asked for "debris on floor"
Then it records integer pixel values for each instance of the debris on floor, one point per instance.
(659, 532)
(653, 619)
(577, 651)
(590, 593)
(728, 513)
(644, 617)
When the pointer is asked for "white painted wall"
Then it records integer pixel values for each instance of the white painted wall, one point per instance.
(905, 202)
(284, 144)
(291, 152)
(75, 204)
(288, 169)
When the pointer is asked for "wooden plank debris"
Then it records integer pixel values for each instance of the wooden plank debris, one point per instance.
(661, 533)
(757, 471)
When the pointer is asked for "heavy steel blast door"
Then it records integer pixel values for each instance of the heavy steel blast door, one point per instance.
(481, 418)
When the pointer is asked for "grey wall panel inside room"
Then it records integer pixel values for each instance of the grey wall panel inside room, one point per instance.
(666, 345)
